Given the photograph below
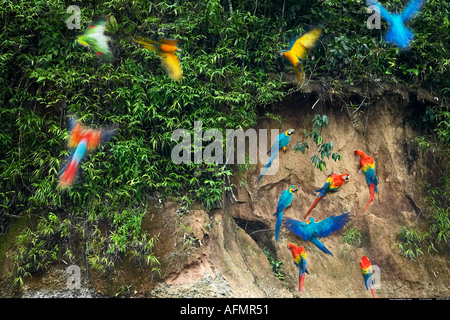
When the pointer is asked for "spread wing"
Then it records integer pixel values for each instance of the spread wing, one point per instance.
(411, 9)
(147, 43)
(331, 224)
(305, 43)
(299, 228)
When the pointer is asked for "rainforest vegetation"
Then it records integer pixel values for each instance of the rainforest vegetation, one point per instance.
(232, 71)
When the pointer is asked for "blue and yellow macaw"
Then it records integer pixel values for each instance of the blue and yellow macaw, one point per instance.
(165, 49)
(299, 50)
(312, 230)
(299, 255)
(399, 34)
(285, 200)
(280, 143)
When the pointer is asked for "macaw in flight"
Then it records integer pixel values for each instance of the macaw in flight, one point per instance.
(285, 200)
(398, 33)
(280, 143)
(95, 39)
(312, 231)
(299, 255)
(165, 49)
(81, 138)
(333, 183)
(366, 269)
(299, 50)
(368, 166)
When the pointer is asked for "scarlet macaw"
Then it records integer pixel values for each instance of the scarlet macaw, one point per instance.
(299, 50)
(312, 231)
(165, 49)
(333, 183)
(95, 39)
(280, 143)
(80, 139)
(368, 166)
(366, 269)
(398, 33)
(285, 200)
(299, 255)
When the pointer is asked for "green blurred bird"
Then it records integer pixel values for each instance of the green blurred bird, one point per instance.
(95, 39)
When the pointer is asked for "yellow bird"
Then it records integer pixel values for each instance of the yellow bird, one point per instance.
(299, 50)
(166, 51)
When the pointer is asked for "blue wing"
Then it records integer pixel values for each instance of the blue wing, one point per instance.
(331, 224)
(411, 9)
(384, 13)
(299, 228)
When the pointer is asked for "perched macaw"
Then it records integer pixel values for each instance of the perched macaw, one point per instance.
(165, 49)
(333, 183)
(366, 269)
(95, 39)
(312, 231)
(280, 143)
(398, 33)
(285, 200)
(299, 50)
(80, 139)
(299, 255)
(368, 166)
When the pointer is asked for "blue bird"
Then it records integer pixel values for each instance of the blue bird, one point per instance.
(398, 33)
(312, 230)
(285, 200)
(280, 143)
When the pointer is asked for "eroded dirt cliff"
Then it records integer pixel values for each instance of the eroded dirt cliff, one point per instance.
(220, 253)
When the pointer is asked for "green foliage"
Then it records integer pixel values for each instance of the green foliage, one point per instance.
(324, 149)
(275, 264)
(353, 236)
(411, 242)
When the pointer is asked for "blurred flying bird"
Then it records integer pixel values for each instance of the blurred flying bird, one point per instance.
(165, 49)
(80, 139)
(95, 39)
(299, 50)
(399, 34)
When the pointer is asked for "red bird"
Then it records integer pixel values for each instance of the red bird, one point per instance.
(333, 183)
(368, 166)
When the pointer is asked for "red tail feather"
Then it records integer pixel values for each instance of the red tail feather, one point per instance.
(373, 293)
(372, 194)
(312, 207)
(300, 284)
(68, 175)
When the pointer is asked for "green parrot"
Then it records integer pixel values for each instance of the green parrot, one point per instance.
(95, 38)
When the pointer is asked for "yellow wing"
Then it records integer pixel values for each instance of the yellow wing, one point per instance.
(172, 65)
(305, 43)
(148, 44)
